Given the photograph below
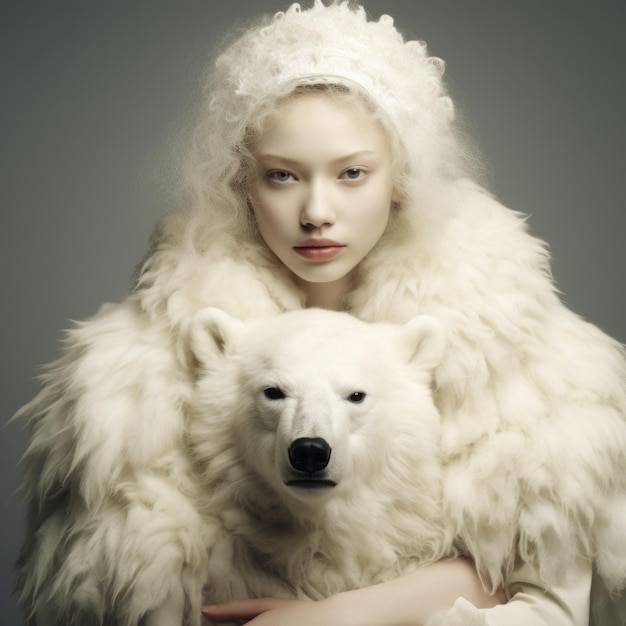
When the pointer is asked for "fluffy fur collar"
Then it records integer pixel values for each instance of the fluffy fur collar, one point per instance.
(532, 400)
(532, 397)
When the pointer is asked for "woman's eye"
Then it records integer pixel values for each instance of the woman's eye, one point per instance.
(357, 397)
(281, 176)
(274, 393)
(354, 173)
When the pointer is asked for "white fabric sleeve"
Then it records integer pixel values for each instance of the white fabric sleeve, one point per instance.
(530, 603)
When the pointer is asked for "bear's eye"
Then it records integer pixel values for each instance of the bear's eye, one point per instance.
(274, 393)
(357, 396)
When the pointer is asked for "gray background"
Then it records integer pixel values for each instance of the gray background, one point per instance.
(90, 91)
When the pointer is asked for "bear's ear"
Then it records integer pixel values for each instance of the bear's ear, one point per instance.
(211, 332)
(425, 338)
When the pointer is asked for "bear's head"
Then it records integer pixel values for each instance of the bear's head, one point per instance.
(314, 404)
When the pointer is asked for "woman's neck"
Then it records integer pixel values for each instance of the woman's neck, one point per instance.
(326, 295)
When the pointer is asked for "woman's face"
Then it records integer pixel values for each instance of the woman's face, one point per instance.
(323, 187)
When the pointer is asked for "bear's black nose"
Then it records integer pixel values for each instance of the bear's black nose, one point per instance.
(309, 454)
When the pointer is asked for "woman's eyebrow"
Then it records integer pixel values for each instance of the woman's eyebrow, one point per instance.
(348, 157)
(354, 156)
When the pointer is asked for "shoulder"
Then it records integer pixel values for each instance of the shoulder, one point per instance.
(476, 249)
(237, 277)
(482, 230)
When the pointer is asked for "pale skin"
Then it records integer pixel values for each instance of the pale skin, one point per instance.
(322, 195)
(409, 600)
(324, 176)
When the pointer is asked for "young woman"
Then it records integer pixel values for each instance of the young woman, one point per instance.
(325, 169)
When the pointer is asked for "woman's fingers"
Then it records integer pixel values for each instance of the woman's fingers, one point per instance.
(244, 609)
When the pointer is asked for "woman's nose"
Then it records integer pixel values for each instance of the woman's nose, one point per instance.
(317, 209)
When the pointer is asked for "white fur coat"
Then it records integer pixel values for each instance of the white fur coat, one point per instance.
(532, 400)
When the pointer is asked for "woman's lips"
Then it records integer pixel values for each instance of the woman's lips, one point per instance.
(318, 249)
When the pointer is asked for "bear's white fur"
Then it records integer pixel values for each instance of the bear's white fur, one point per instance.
(281, 527)
(215, 511)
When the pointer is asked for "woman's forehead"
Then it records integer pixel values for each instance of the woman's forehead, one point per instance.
(317, 118)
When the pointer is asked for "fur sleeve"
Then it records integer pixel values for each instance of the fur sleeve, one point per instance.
(106, 450)
(534, 404)
(532, 397)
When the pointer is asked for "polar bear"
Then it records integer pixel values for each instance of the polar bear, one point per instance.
(315, 438)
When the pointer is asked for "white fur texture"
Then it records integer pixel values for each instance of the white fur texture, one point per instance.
(109, 481)
(141, 539)
(382, 517)
(532, 398)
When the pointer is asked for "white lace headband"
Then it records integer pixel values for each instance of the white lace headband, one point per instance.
(337, 43)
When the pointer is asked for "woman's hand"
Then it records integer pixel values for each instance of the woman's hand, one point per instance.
(410, 600)
(273, 612)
